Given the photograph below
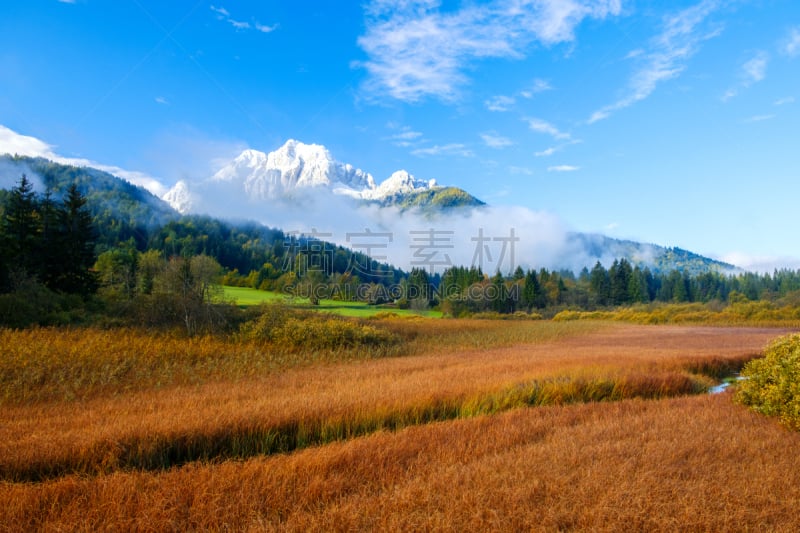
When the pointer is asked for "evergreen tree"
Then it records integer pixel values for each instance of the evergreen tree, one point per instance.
(599, 284)
(637, 287)
(75, 243)
(22, 228)
(678, 287)
(651, 283)
(620, 277)
(532, 295)
(561, 290)
(420, 289)
(50, 260)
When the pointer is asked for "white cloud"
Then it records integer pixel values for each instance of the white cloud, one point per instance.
(161, 100)
(67, 1)
(453, 149)
(415, 50)
(759, 118)
(493, 140)
(666, 55)
(546, 153)
(634, 53)
(553, 149)
(792, 45)
(563, 168)
(239, 25)
(220, 10)
(755, 69)
(541, 126)
(500, 103)
(224, 14)
(538, 86)
(520, 170)
(12, 142)
(784, 101)
(760, 263)
(263, 28)
(406, 137)
(752, 71)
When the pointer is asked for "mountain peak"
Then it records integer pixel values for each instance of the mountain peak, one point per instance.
(293, 167)
(293, 150)
(179, 197)
(251, 155)
(399, 183)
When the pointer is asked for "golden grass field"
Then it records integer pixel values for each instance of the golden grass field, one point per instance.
(469, 425)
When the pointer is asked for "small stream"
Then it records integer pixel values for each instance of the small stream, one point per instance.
(722, 387)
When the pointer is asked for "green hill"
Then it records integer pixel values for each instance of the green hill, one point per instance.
(656, 258)
(437, 199)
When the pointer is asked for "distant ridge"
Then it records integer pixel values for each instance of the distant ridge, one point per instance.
(127, 209)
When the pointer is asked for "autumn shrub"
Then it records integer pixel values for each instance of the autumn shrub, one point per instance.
(518, 315)
(772, 384)
(297, 330)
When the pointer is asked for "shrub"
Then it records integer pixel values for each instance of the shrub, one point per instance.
(296, 330)
(772, 386)
(34, 304)
(567, 315)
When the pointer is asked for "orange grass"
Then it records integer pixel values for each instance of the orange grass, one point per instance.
(696, 463)
(307, 406)
(50, 364)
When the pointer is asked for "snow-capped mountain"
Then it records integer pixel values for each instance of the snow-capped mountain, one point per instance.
(399, 183)
(294, 168)
(179, 197)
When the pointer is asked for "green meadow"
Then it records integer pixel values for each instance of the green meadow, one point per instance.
(247, 297)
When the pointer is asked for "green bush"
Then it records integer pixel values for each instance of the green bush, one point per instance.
(34, 304)
(772, 384)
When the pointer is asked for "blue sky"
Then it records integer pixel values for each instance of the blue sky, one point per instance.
(667, 122)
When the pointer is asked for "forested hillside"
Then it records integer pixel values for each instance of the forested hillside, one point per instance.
(86, 231)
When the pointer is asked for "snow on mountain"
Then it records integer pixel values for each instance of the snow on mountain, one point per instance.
(179, 197)
(292, 168)
(401, 182)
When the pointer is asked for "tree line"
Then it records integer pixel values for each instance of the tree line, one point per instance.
(468, 290)
(46, 239)
(81, 241)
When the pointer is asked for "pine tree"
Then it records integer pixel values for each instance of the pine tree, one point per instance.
(75, 243)
(532, 294)
(500, 300)
(420, 290)
(620, 277)
(637, 287)
(22, 228)
(50, 263)
(600, 284)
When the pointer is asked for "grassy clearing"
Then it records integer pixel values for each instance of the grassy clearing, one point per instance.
(560, 364)
(699, 463)
(247, 297)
